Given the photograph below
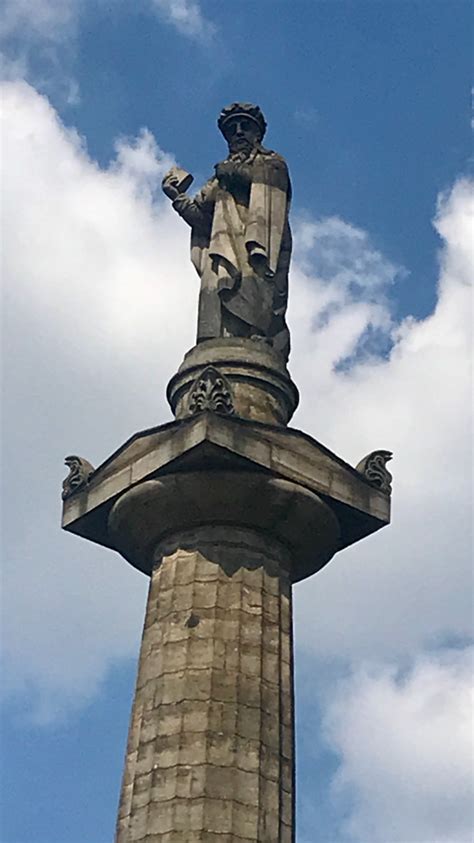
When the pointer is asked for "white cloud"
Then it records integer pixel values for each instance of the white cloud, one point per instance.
(49, 20)
(342, 255)
(53, 21)
(406, 763)
(99, 308)
(37, 39)
(409, 584)
(186, 16)
(342, 303)
(405, 744)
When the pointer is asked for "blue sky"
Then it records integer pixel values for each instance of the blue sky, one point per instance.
(370, 104)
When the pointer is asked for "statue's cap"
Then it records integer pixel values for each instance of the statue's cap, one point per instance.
(242, 109)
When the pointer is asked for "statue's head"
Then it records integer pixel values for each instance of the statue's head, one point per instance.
(243, 126)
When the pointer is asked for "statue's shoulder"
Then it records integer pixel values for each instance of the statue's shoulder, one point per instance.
(273, 157)
(274, 163)
(275, 169)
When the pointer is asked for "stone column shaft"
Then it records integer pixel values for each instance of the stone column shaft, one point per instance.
(210, 749)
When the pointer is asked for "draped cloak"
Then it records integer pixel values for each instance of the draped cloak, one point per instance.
(228, 224)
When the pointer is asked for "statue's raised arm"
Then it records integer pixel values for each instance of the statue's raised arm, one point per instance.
(240, 234)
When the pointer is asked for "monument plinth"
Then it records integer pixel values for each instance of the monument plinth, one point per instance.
(224, 509)
(234, 376)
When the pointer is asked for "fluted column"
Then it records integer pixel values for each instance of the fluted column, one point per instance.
(210, 749)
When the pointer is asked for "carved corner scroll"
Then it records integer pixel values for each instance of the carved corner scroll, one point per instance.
(373, 467)
(211, 391)
(79, 472)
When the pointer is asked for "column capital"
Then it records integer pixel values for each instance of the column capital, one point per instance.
(196, 467)
(276, 510)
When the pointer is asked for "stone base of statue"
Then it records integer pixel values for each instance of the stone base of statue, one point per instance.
(234, 376)
(224, 509)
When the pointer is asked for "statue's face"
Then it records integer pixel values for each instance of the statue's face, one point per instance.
(241, 134)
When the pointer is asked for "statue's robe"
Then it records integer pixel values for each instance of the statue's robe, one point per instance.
(241, 248)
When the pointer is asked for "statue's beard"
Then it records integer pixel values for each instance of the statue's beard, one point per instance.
(242, 149)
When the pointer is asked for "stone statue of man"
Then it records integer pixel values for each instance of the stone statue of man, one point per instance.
(240, 235)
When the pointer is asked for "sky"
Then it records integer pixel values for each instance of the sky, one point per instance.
(369, 102)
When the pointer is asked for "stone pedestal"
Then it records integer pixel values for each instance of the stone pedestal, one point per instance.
(234, 376)
(224, 509)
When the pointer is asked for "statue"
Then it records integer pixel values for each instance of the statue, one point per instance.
(240, 235)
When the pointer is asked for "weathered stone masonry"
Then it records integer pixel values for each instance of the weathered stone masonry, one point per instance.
(210, 748)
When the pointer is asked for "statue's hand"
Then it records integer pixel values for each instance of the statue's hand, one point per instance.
(169, 186)
(176, 182)
(224, 172)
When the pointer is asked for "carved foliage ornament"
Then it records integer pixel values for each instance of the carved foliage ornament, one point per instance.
(211, 391)
(373, 467)
(79, 472)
